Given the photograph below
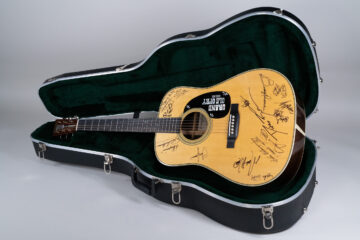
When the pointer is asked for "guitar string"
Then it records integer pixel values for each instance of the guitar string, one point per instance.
(186, 126)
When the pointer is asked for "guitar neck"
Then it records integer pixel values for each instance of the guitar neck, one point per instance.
(150, 125)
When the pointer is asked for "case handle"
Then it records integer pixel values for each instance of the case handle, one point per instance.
(141, 185)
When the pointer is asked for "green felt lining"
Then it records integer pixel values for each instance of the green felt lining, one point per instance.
(256, 42)
(261, 41)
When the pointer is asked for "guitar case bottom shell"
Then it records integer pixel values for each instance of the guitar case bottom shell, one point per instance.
(259, 38)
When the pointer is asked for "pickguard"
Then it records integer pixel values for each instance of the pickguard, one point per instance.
(216, 104)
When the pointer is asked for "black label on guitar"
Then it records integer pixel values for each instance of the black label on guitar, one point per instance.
(216, 104)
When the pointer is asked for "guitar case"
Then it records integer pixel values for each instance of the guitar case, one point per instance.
(259, 38)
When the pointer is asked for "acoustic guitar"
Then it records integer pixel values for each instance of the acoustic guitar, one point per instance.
(250, 129)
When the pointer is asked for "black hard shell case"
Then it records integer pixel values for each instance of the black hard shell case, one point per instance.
(247, 211)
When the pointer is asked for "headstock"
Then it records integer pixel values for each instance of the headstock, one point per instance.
(65, 126)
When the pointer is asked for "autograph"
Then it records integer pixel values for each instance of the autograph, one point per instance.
(279, 115)
(268, 82)
(200, 155)
(168, 110)
(257, 177)
(169, 145)
(280, 90)
(167, 103)
(245, 162)
(286, 105)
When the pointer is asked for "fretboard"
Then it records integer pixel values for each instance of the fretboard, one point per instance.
(164, 125)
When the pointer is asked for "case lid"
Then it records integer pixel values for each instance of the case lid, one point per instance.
(259, 38)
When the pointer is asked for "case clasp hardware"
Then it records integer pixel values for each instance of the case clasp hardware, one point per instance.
(120, 68)
(175, 193)
(279, 11)
(108, 160)
(190, 35)
(268, 220)
(41, 150)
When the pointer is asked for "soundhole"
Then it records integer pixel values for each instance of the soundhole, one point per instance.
(194, 125)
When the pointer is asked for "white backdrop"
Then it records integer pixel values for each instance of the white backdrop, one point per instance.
(40, 199)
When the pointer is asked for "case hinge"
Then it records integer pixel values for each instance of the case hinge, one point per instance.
(42, 149)
(108, 160)
(268, 220)
(175, 192)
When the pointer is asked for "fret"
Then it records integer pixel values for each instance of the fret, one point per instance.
(126, 123)
(98, 123)
(101, 124)
(108, 124)
(171, 124)
(104, 125)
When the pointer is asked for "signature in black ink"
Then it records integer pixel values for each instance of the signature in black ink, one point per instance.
(279, 115)
(272, 158)
(200, 155)
(280, 90)
(255, 177)
(266, 145)
(286, 105)
(270, 130)
(276, 147)
(171, 148)
(246, 103)
(179, 92)
(168, 101)
(259, 115)
(265, 82)
(168, 110)
(244, 162)
(260, 144)
(170, 145)
(266, 176)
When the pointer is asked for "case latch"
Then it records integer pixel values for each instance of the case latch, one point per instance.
(41, 150)
(175, 193)
(268, 220)
(108, 160)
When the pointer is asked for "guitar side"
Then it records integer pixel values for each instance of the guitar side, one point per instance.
(266, 133)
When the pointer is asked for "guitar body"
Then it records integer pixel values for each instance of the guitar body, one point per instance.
(248, 129)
